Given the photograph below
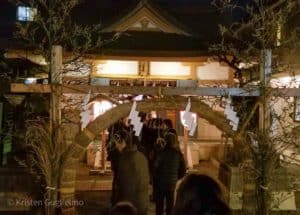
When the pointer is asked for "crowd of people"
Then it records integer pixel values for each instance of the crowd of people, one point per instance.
(155, 157)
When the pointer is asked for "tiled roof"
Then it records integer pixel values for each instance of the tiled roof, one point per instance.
(194, 16)
(198, 17)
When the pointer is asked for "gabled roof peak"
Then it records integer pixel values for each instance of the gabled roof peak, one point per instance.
(147, 17)
(143, 1)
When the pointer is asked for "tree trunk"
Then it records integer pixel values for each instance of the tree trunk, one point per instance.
(55, 123)
(263, 194)
(261, 159)
(249, 189)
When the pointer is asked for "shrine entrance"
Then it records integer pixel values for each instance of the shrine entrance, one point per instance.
(98, 125)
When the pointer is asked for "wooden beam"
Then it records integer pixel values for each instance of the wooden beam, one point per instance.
(30, 88)
(141, 55)
(29, 55)
(209, 91)
(111, 89)
(56, 64)
(146, 55)
(168, 91)
(265, 74)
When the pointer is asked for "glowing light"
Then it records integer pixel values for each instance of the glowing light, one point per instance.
(153, 114)
(138, 98)
(26, 13)
(30, 81)
(285, 80)
(117, 67)
(101, 107)
(169, 69)
(243, 65)
(212, 71)
(182, 118)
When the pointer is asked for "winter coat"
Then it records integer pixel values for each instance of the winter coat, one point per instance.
(169, 167)
(132, 179)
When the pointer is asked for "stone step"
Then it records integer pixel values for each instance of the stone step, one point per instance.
(93, 185)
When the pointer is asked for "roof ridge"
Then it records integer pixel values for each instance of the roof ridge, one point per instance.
(169, 17)
(144, 1)
(156, 11)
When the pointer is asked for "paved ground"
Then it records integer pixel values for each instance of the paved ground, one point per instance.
(95, 190)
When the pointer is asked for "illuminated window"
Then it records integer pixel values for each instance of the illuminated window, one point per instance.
(174, 69)
(26, 13)
(212, 71)
(118, 67)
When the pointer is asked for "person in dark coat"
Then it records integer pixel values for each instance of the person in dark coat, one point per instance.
(132, 174)
(167, 127)
(169, 167)
(123, 208)
(112, 152)
(200, 195)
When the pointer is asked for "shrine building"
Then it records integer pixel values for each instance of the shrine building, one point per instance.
(155, 53)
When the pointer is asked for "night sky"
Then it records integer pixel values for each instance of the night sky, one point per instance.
(197, 15)
(111, 7)
(188, 12)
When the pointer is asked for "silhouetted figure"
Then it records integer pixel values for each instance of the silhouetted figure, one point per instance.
(167, 126)
(132, 174)
(154, 135)
(123, 208)
(169, 167)
(200, 195)
(113, 154)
